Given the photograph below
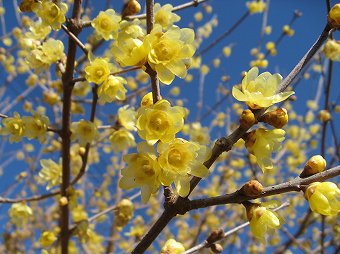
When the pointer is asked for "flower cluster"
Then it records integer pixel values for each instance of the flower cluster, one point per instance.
(32, 127)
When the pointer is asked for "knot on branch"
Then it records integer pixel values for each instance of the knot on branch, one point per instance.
(177, 204)
(224, 144)
(74, 25)
(196, 3)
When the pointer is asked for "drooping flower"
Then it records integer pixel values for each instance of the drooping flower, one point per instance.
(53, 50)
(98, 71)
(47, 238)
(160, 121)
(260, 91)
(262, 220)
(13, 126)
(36, 126)
(51, 12)
(164, 15)
(106, 24)
(19, 213)
(169, 53)
(323, 198)
(141, 172)
(127, 117)
(50, 173)
(332, 50)
(179, 159)
(112, 89)
(123, 212)
(121, 140)
(262, 143)
(84, 131)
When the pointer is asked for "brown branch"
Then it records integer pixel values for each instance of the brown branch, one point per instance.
(225, 144)
(66, 120)
(75, 39)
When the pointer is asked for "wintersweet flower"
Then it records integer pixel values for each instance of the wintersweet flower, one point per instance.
(36, 126)
(256, 6)
(122, 140)
(179, 159)
(169, 53)
(20, 213)
(127, 117)
(160, 121)
(53, 50)
(51, 12)
(262, 220)
(50, 173)
(112, 89)
(47, 238)
(141, 172)
(84, 131)
(262, 143)
(334, 16)
(171, 246)
(13, 126)
(260, 91)
(106, 24)
(98, 71)
(164, 15)
(332, 50)
(323, 198)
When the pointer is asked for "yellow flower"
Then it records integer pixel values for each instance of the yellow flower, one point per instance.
(334, 16)
(47, 238)
(260, 91)
(261, 220)
(262, 143)
(171, 246)
(50, 172)
(323, 198)
(36, 61)
(178, 159)
(256, 6)
(121, 140)
(332, 50)
(53, 50)
(84, 131)
(19, 213)
(141, 172)
(106, 24)
(127, 117)
(51, 12)
(112, 89)
(199, 134)
(36, 126)
(123, 212)
(164, 15)
(38, 31)
(13, 126)
(160, 121)
(98, 71)
(170, 53)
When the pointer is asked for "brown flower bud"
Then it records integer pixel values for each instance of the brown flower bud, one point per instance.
(247, 118)
(252, 188)
(277, 118)
(215, 235)
(130, 8)
(314, 165)
(216, 248)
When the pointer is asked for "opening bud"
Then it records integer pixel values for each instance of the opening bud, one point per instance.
(334, 16)
(247, 118)
(315, 164)
(324, 115)
(277, 118)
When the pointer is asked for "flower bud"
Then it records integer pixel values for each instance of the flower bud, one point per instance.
(324, 115)
(314, 165)
(277, 118)
(215, 235)
(216, 248)
(247, 119)
(63, 201)
(334, 16)
(252, 188)
(130, 8)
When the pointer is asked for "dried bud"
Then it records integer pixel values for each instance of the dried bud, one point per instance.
(216, 248)
(277, 118)
(324, 115)
(252, 188)
(63, 201)
(215, 235)
(314, 165)
(334, 16)
(247, 119)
